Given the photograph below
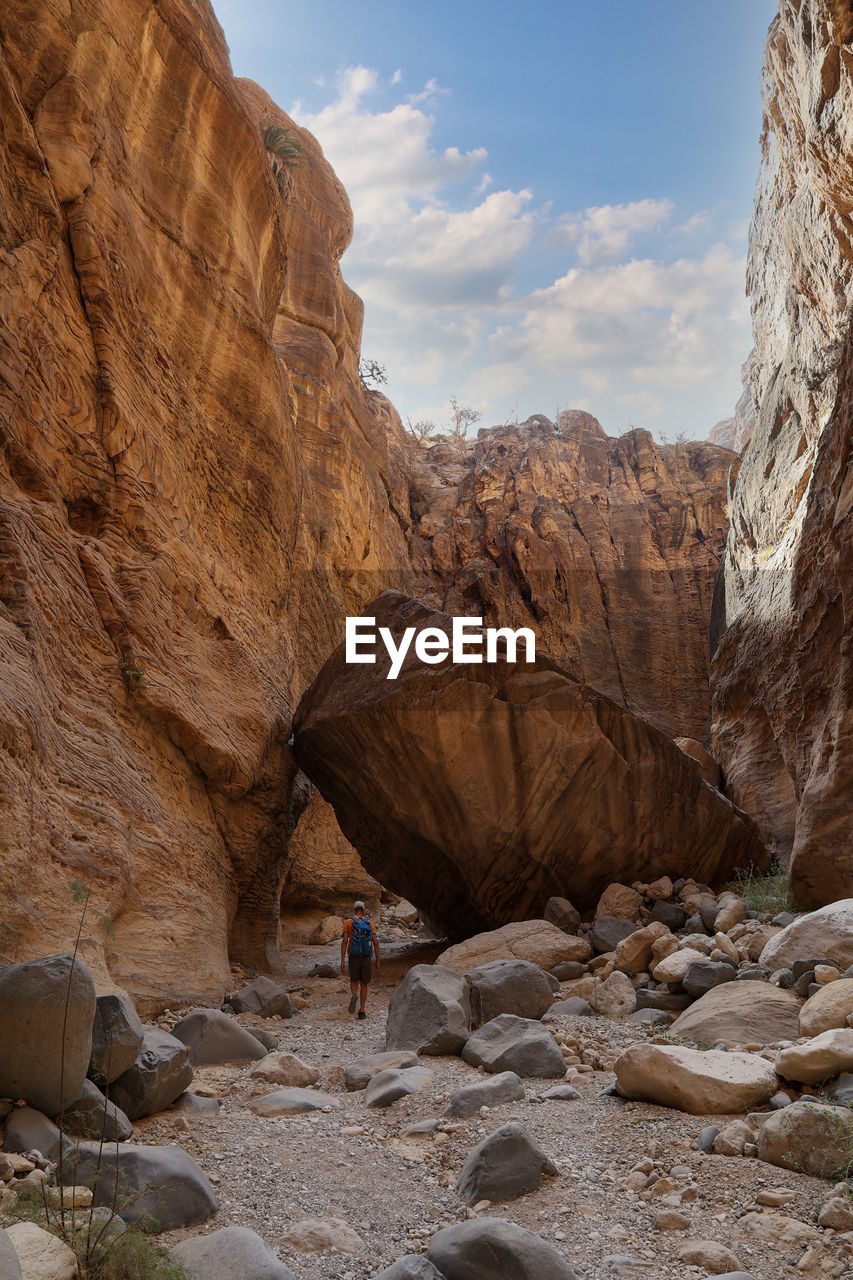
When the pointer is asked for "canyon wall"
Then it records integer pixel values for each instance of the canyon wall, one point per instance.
(195, 488)
(781, 676)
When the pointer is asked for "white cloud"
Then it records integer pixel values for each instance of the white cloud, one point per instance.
(441, 260)
(431, 90)
(397, 77)
(604, 233)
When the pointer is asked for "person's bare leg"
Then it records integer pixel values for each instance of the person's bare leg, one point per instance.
(363, 989)
(353, 986)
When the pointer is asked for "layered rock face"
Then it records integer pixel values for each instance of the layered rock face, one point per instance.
(606, 547)
(736, 432)
(781, 679)
(480, 791)
(190, 476)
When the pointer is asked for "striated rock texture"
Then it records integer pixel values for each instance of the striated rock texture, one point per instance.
(782, 680)
(190, 476)
(480, 791)
(736, 432)
(606, 547)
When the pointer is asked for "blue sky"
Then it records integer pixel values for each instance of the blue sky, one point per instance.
(551, 199)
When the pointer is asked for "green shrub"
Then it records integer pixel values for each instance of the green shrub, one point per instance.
(771, 892)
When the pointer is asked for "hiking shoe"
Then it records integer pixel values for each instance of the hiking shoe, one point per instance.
(362, 1014)
(352, 1004)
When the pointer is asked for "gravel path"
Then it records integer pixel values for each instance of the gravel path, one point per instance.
(270, 1173)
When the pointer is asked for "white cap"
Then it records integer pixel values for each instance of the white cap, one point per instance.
(358, 906)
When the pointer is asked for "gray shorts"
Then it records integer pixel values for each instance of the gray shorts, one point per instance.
(359, 968)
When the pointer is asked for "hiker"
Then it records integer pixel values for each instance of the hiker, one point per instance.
(359, 939)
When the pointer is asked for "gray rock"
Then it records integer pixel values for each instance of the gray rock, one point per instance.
(160, 1074)
(553, 983)
(508, 986)
(494, 1092)
(488, 1248)
(195, 1104)
(32, 1010)
(704, 973)
(706, 1139)
(116, 1037)
(429, 1012)
(651, 1017)
(93, 1116)
(559, 911)
(668, 913)
(608, 932)
(263, 997)
(234, 1253)
(31, 1130)
(515, 1044)
(561, 1093)
(810, 1136)
(803, 968)
(665, 1000)
(397, 1082)
(801, 985)
(360, 1073)
(413, 1267)
(161, 1185)
(505, 1165)
(571, 1007)
(737, 1275)
(568, 970)
(212, 1037)
(291, 1102)
(780, 1100)
(754, 975)
(324, 971)
(265, 1038)
(695, 924)
(10, 1267)
(841, 1090)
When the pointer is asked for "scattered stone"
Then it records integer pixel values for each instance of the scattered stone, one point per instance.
(619, 902)
(32, 1009)
(291, 1102)
(568, 970)
(330, 929)
(706, 1139)
(741, 1013)
(360, 1073)
(671, 1220)
(615, 997)
(651, 1017)
(413, 1267)
(809, 1136)
(233, 1253)
(10, 1265)
(660, 889)
(534, 940)
(117, 1034)
(405, 912)
(93, 1116)
(608, 931)
(826, 934)
(669, 914)
(710, 1254)
(429, 1012)
(397, 1082)
(665, 1001)
(634, 953)
(572, 1007)
(494, 1092)
(829, 1007)
(505, 1165)
(194, 1104)
(483, 1248)
(775, 1198)
(266, 1038)
(708, 1083)
(263, 997)
(705, 974)
(284, 1068)
(818, 1059)
(31, 1130)
(559, 911)
(837, 1213)
(160, 1074)
(324, 971)
(508, 1043)
(561, 1093)
(672, 968)
(316, 1235)
(732, 911)
(41, 1256)
(212, 1038)
(508, 986)
(732, 1140)
(841, 1090)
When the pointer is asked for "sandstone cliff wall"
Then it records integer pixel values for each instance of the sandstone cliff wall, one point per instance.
(781, 675)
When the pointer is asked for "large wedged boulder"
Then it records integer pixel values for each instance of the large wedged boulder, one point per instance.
(819, 1059)
(33, 1000)
(212, 1037)
(160, 1074)
(508, 986)
(117, 1034)
(700, 1083)
(263, 997)
(741, 1013)
(527, 783)
(429, 1012)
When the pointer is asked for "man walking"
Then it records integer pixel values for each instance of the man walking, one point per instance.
(358, 941)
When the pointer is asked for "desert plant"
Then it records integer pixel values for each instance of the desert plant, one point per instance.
(461, 418)
(373, 374)
(132, 671)
(765, 892)
(285, 150)
(422, 430)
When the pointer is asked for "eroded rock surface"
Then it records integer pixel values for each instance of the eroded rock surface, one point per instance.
(481, 791)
